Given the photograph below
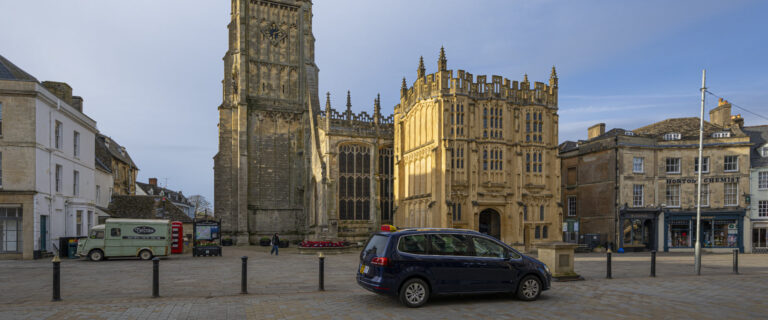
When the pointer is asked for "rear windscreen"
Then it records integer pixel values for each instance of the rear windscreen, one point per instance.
(376, 245)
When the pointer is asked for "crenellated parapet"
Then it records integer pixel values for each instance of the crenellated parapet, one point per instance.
(462, 83)
(348, 122)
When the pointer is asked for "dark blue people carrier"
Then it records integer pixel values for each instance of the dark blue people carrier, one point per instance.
(413, 264)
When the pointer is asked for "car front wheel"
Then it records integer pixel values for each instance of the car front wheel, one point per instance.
(529, 288)
(414, 293)
(96, 255)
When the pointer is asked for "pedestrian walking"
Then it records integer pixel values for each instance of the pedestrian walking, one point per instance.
(275, 244)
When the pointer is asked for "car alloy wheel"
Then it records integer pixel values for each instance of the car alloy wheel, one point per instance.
(529, 289)
(414, 293)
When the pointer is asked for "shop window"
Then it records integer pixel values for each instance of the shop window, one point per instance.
(760, 238)
(79, 223)
(673, 195)
(637, 195)
(10, 230)
(637, 165)
(731, 163)
(731, 194)
(680, 233)
(673, 165)
(704, 165)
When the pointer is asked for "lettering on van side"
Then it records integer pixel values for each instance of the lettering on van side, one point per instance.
(144, 237)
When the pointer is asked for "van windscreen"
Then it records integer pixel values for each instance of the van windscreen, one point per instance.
(376, 245)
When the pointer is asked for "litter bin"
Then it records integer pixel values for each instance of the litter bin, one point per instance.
(72, 245)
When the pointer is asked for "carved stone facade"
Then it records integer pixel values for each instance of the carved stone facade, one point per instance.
(478, 155)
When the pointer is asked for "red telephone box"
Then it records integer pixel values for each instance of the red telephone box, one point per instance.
(177, 241)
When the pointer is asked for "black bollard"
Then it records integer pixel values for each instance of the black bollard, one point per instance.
(736, 261)
(608, 267)
(56, 278)
(155, 277)
(653, 263)
(322, 271)
(244, 279)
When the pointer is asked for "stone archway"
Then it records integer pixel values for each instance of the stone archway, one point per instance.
(490, 223)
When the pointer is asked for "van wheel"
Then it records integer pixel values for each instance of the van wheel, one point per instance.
(145, 255)
(414, 293)
(529, 288)
(96, 255)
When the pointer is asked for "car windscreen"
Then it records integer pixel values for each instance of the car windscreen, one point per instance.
(376, 246)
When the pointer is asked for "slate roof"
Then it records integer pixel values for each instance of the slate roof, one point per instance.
(146, 207)
(687, 127)
(168, 193)
(104, 152)
(9, 71)
(758, 136)
(568, 146)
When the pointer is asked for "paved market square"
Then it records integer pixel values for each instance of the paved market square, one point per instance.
(286, 287)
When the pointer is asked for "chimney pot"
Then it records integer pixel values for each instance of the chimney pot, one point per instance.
(153, 181)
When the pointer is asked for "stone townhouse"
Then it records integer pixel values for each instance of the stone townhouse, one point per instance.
(177, 198)
(120, 164)
(637, 189)
(46, 164)
(758, 180)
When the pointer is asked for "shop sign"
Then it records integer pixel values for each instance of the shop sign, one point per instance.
(565, 226)
(576, 226)
(705, 180)
(732, 229)
(143, 230)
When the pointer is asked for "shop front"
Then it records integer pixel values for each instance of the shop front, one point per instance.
(759, 236)
(720, 231)
(639, 229)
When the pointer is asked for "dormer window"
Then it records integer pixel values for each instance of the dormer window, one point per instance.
(629, 133)
(721, 134)
(764, 151)
(672, 136)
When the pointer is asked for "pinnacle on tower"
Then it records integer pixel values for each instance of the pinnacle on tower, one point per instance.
(553, 78)
(525, 78)
(349, 106)
(327, 100)
(377, 104)
(442, 63)
(422, 71)
(554, 73)
(404, 86)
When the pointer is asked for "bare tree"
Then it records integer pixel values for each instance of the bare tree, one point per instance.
(201, 204)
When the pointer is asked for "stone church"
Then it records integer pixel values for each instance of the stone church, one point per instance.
(287, 164)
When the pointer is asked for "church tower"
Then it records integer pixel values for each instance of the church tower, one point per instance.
(269, 94)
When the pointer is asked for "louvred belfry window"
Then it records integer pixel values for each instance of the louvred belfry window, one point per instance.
(354, 181)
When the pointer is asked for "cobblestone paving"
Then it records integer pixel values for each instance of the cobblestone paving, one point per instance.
(285, 287)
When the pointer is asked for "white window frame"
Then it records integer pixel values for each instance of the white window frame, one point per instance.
(726, 163)
(76, 143)
(762, 180)
(721, 134)
(762, 208)
(635, 189)
(58, 177)
(705, 192)
(58, 132)
(726, 194)
(1, 170)
(673, 200)
(571, 206)
(638, 161)
(98, 193)
(678, 165)
(764, 152)
(705, 165)
(76, 183)
(672, 136)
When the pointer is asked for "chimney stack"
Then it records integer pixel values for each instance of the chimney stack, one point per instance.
(59, 89)
(596, 130)
(77, 103)
(153, 181)
(721, 116)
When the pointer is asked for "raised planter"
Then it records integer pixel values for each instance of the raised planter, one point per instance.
(264, 242)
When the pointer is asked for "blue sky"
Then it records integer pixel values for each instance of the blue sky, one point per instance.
(150, 71)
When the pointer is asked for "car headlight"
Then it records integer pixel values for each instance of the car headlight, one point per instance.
(546, 268)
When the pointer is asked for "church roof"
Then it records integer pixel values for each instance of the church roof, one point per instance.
(9, 71)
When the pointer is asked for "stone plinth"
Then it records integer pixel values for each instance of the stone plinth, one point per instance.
(559, 256)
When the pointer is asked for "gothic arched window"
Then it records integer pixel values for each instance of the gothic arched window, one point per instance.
(385, 183)
(354, 181)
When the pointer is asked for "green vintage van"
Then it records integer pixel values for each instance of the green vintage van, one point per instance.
(143, 238)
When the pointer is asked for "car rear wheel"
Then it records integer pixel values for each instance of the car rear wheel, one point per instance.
(96, 255)
(145, 255)
(529, 288)
(414, 293)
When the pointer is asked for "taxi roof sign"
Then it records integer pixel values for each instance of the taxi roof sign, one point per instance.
(388, 227)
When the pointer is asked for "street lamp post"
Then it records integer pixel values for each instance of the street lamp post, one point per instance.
(697, 248)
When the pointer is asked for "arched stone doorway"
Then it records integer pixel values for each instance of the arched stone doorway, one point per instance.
(490, 223)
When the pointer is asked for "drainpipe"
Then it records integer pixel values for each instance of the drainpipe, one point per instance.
(616, 192)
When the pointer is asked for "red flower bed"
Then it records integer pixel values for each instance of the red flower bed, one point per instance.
(323, 244)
